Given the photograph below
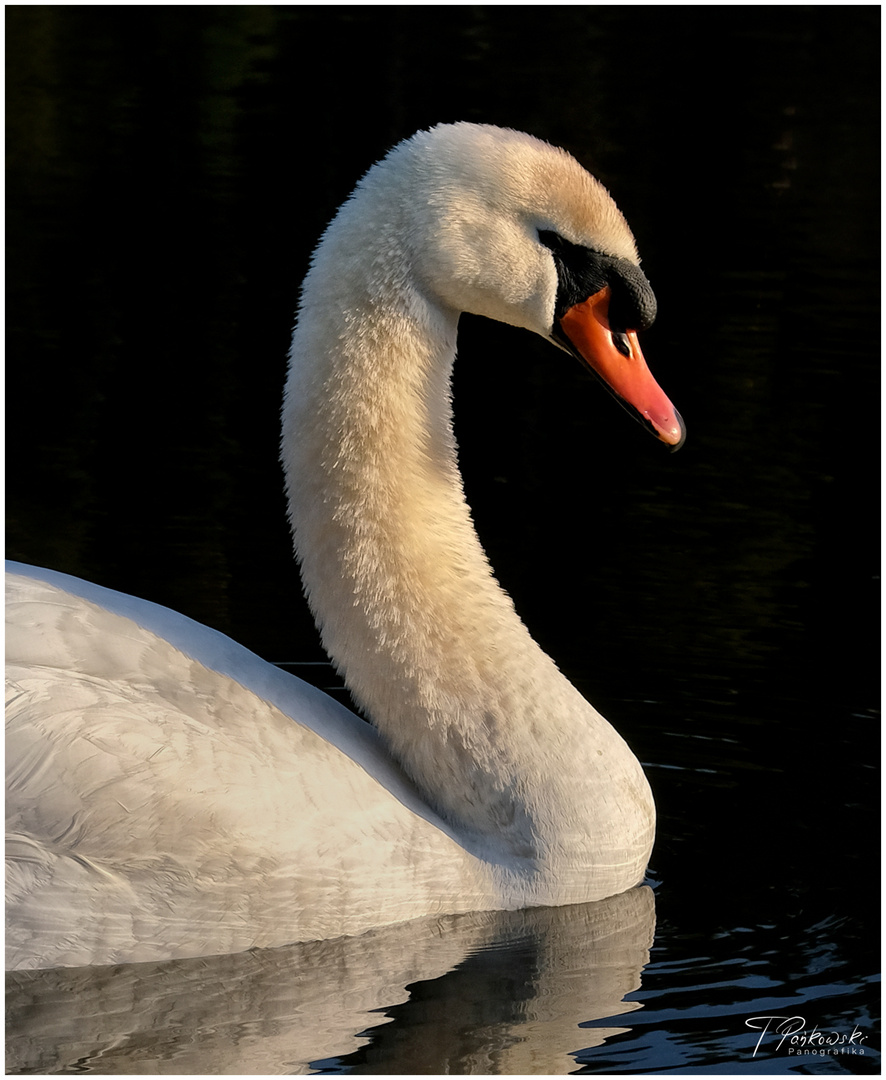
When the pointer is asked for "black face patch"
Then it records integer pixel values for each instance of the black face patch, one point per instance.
(582, 272)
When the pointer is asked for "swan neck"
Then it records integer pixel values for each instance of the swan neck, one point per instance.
(429, 644)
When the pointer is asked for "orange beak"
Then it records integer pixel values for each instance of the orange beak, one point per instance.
(623, 368)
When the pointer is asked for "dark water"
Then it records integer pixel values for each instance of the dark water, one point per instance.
(169, 170)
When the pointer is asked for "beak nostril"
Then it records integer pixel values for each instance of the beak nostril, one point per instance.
(620, 341)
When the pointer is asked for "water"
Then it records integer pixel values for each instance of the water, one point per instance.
(169, 170)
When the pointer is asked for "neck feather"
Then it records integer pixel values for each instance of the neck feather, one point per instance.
(428, 642)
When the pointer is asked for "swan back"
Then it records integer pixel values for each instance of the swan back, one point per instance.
(158, 807)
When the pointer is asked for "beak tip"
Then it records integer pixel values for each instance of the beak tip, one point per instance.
(675, 435)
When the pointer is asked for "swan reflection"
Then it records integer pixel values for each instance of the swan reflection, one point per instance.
(495, 992)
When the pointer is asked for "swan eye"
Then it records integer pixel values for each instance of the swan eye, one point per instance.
(580, 271)
(550, 239)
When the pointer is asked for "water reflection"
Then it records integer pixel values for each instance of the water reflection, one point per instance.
(496, 993)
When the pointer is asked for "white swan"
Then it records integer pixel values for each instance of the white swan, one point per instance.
(162, 802)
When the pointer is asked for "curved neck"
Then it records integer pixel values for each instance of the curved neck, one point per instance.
(389, 555)
(428, 643)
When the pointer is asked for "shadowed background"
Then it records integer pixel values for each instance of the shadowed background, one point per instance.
(171, 168)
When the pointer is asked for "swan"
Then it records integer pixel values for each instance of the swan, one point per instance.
(172, 795)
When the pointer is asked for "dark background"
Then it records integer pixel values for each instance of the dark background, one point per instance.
(169, 171)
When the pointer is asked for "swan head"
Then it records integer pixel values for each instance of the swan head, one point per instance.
(504, 225)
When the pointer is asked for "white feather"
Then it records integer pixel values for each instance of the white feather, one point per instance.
(170, 794)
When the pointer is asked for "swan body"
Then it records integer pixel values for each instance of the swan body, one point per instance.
(170, 794)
